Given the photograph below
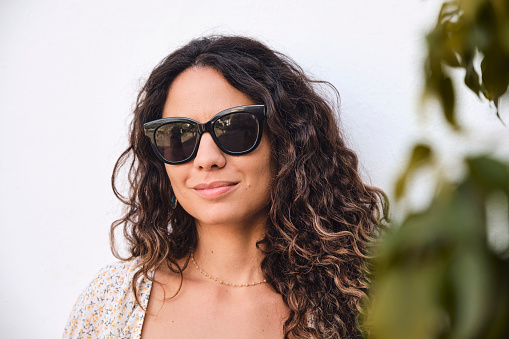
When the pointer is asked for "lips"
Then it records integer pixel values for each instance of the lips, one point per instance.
(214, 189)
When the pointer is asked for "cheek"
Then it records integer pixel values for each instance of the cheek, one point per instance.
(173, 175)
(168, 173)
(263, 170)
(178, 174)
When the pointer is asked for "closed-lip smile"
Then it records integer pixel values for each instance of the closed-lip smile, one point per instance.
(214, 189)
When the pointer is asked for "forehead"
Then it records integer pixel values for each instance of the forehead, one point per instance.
(201, 92)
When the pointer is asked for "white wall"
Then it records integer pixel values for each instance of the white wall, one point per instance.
(69, 74)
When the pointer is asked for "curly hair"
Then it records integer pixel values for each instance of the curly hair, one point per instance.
(322, 216)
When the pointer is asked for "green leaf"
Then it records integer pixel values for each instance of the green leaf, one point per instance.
(472, 78)
(495, 74)
(447, 99)
(421, 155)
(471, 279)
(489, 174)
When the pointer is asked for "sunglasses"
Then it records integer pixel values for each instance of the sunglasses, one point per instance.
(236, 131)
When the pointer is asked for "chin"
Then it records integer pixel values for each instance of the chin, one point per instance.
(217, 216)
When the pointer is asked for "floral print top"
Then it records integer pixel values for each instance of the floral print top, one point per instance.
(107, 307)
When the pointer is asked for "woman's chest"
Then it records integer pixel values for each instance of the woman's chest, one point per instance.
(202, 316)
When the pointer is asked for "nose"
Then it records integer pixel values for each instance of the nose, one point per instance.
(209, 156)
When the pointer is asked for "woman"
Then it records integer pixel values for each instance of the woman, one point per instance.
(246, 216)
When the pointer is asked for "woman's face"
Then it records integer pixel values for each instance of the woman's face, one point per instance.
(216, 188)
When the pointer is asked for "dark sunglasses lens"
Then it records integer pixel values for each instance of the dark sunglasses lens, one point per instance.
(176, 140)
(237, 132)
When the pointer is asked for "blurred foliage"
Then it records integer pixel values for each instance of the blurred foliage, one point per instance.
(473, 35)
(435, 274)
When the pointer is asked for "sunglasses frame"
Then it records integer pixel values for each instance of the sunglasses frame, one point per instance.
(258, 111)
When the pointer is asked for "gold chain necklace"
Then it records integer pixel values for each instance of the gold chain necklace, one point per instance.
(221, 281)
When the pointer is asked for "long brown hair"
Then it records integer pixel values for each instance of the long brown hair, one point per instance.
(322, 216)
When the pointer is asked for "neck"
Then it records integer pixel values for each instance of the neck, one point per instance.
(229, 252)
